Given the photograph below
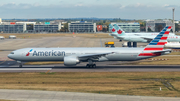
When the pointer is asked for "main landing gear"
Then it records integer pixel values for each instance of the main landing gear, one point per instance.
(91, 65)
(134, 44)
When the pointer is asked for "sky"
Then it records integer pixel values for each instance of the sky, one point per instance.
(124, 9)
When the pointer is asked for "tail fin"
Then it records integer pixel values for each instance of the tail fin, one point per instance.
(112, 28)
(120, 32)
(159, 41)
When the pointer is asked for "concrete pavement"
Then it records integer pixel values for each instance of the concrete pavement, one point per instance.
(12, 66)
(34, 95)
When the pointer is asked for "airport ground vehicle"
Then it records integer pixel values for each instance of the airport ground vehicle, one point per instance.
(12, 37)
(111, 44)
(2, 37)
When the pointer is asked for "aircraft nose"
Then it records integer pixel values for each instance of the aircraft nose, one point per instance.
(9, 56)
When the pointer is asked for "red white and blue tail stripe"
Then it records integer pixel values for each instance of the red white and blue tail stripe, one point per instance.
(159, 41)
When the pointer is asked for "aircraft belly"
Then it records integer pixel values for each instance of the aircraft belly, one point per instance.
(134, 39)
(144, 57)
(43, 58)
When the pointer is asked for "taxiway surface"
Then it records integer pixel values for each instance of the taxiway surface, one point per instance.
(33, 95)
(12, 66)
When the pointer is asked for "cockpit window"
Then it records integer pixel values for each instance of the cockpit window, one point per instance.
(12, 53)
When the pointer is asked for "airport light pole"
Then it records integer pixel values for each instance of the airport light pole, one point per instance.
(173, 21)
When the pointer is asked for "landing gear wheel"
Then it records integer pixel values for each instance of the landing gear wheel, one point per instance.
(87, 66)
(94, 65)
(20, 65)
(91, 66)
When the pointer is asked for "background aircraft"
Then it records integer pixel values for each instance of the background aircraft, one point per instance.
(73, 56)
(173, 45)
(118, 33)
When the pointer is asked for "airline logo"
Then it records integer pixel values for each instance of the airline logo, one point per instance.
(158, 43)
(29, 52)
(49, 53)
(119, 31)
(113, 30)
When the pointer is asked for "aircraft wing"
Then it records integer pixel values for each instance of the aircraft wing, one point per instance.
(137, 34)
(148, 39)
(93, 56)
(119, 37)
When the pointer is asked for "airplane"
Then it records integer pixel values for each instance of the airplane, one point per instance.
(74, 56)
(172, 45)
(118, 33)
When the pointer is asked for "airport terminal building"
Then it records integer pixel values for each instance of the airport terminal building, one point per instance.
(157, 25)
(128, 27)
(12, 27)
(82, 27)
(29, 27)
(47, 27)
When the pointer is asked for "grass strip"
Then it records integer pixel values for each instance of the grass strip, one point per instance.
(122, 83)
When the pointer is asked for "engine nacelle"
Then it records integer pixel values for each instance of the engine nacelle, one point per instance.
(71, 61)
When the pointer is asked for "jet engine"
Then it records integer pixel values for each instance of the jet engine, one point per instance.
(71, 61)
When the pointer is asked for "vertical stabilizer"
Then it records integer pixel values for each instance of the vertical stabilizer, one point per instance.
(119, 31)
(157, 44)
(113, 30)
(111, 27)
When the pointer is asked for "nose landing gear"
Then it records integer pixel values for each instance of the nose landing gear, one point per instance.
(20, 64)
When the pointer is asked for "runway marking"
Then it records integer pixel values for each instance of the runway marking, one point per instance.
(48, 71)
(23, 69)
(4, 61)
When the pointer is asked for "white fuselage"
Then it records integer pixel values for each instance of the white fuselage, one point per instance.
(173, 45)
(143, 37)
(58, 54)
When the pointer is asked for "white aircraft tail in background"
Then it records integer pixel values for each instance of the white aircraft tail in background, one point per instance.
(116, 31)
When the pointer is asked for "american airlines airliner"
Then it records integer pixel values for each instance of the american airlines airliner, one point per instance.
(74, 56)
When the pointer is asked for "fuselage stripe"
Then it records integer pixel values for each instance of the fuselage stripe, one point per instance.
(149, 54)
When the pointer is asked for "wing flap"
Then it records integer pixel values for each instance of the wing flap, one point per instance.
(148, 39)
